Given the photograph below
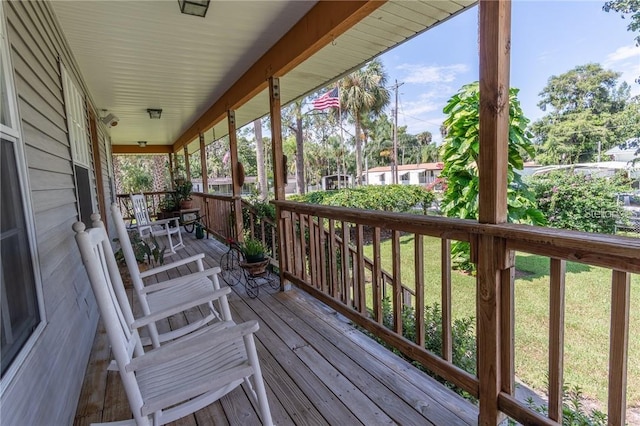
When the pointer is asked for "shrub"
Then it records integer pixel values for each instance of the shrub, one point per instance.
(390, 198)
(573, 411)
(580, 202)
(464, 339)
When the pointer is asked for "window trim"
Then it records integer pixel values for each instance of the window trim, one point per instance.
(14, 136)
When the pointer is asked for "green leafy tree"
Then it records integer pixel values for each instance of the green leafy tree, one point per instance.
(361, 93)
(583, 104)
(630, 8)
(460, 153)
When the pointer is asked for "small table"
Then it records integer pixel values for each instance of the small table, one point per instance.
(257, 274)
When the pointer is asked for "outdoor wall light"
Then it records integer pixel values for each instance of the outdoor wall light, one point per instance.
(142, 144)
(154, 113)
(194, 7)
(111, 120)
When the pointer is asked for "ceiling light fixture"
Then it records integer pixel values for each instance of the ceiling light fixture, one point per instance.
(194, 7)
(142, 144)
(154, 113)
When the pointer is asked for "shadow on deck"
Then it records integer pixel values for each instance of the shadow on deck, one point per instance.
(317, 367)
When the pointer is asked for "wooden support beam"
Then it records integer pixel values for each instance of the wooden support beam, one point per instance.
(235, 175)
(278, 174)
(492, 322)
(187, 167)
(495, 46)
(320, 26)
(136, 150)
(203, 165)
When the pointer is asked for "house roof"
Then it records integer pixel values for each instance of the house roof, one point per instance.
(136, 55)
(409, 168)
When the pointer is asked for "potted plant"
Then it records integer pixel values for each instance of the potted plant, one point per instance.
(147, 253)
(167, 206)
(183, 194)
(253, 250)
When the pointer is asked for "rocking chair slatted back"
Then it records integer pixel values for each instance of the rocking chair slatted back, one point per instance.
(183, 376)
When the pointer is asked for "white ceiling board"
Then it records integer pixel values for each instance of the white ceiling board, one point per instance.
(142, 54)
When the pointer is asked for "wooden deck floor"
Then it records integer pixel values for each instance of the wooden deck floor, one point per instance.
(318, 370)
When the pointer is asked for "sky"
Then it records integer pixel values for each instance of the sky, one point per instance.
(547, 38)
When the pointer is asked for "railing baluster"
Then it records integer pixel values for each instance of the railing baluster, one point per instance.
(322, 258)
(376, 276)
(303, 244)
(556, 337)
(396, 282)
(618, 347)
(507, 330)
(297, 253)
(419, 273)
(346, 277)
(333, 262)
(312, 251)
(445, 299)
(359, 263)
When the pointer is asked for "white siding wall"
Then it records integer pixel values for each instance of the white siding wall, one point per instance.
(45, 389)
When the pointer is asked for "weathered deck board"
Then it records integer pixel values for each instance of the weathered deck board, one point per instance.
(318, 369)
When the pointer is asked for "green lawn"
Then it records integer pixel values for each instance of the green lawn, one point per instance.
(588, 295)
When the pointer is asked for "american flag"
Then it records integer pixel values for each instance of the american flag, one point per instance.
(328, 100)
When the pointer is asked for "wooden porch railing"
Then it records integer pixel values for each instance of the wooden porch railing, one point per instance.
(345, 279)
(217, 210)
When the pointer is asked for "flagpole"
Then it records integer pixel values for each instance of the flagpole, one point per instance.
(344, 164)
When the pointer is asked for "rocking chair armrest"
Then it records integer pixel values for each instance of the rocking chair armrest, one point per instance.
(180, 280)
(166, 221)
(215, 337)
(165, 313)
(166, 267)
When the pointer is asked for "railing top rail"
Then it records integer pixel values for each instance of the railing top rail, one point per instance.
(457, 229)
(579, 246)
(215, 197)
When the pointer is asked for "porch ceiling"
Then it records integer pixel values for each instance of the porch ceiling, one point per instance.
(136, 55)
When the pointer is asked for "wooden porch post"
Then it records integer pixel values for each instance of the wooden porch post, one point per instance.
(494, 260)
(235, 175)
(187, 169)
(203, 165)
(278, 176)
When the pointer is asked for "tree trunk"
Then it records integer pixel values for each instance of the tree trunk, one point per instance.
(358, 151)
(159, 170)
(262, 172)
(300, 183)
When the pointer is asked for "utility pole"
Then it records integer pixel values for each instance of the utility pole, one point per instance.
(394, 166)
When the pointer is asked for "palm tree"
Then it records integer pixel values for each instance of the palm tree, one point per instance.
(363, 92)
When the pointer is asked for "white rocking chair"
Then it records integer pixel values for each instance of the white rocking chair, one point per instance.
(165, 227)
(157, 297)
(183, 376)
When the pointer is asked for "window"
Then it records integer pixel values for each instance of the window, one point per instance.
(80, 151)
(21, 312)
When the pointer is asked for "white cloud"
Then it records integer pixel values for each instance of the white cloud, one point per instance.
(425, 74)
(626, 60)
(623, 53)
